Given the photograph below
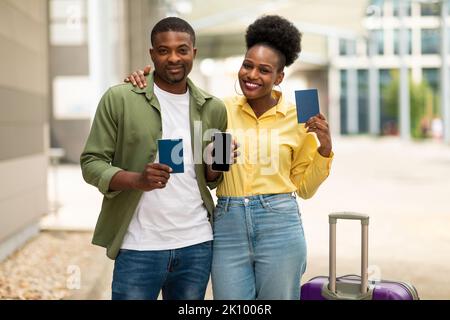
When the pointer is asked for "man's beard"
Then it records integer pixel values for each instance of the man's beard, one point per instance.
(176, 78)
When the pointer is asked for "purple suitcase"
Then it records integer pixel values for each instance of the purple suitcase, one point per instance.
(353, 287)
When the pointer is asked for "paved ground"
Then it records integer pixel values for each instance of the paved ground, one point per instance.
(403, 186)
(54, 265)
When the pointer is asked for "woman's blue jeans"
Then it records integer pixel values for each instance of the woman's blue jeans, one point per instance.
(181, 274)
(259, 248)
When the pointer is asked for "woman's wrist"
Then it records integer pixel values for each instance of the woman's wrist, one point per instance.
(324, 151)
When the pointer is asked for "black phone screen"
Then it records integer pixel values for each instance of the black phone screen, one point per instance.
(221, 151)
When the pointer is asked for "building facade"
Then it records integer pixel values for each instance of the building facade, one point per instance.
(367, 66)
(23, 120)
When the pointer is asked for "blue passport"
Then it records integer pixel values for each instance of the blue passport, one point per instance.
(307, 102)
(171, 153)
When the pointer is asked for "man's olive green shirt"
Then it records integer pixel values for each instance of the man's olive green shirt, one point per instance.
(124, 136)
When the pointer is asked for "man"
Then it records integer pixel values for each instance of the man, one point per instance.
(154, 223)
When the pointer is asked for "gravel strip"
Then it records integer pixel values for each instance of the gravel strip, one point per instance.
(48, 267)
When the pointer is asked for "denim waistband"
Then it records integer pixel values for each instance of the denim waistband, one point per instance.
(252, 200)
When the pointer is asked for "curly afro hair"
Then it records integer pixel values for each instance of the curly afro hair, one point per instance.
(277, 33)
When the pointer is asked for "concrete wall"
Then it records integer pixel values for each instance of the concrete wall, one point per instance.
(142, 16)
(23, 120)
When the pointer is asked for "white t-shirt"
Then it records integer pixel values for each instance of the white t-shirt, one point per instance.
(172, 217)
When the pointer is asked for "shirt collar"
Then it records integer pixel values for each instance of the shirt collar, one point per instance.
(280, 107)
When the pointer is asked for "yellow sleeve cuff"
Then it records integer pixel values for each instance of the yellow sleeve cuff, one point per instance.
(323, 162)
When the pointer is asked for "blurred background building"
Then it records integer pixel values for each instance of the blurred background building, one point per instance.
(381, 68)
(24, 120)
(375, 68)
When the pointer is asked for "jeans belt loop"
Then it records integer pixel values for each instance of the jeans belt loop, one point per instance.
(263, 201)
(226, 204)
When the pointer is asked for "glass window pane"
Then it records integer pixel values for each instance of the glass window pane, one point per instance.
(344, 49)
(379, 4)
(388, 121)
(396, 5)
(430, 41)
(448, 37)
(397, 41)
(431, 76)
(429, 9)
(343, 101)
(378, 38)
(363, 101)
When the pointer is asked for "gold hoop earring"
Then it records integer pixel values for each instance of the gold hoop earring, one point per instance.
(235, 90)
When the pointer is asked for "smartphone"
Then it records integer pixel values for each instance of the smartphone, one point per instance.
(221, 151)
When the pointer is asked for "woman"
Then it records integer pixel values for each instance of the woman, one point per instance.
(259, 249)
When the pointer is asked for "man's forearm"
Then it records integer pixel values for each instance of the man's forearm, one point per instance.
(124, 180)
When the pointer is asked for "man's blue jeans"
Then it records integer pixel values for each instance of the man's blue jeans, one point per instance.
(181, 274)
(259, 248)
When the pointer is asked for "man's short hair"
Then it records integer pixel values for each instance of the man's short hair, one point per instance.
(172, 24)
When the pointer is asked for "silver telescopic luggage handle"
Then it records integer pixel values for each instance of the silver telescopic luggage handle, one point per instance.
(333, 217)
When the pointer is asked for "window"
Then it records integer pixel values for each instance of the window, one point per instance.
(432, 77)
(397, 41)
(377, 36)
(388, 117)
(344, 49)
(363, 101)
(396, 5)
(68, 22)
(430, 41)
(429, 9)
(343, 101)
(378, 4)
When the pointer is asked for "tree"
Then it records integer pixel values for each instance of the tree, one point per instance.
(422, 100)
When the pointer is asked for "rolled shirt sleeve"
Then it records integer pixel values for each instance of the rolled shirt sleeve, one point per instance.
(100, 147)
